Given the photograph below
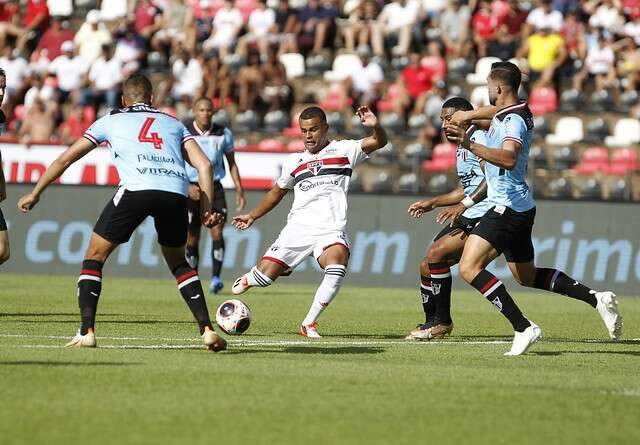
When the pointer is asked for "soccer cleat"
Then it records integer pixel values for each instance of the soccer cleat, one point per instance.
(82, 341)
(215, 285)
(309, 331)
(522, 341)
(430, 331)
(213, 341)
(240, 286)
(607, 307)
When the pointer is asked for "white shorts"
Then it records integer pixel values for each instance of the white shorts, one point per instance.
(295, 243)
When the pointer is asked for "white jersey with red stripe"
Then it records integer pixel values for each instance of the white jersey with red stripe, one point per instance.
(320, 183)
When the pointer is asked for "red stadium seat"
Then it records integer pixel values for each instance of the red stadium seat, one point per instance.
(593, 160)
(623, 161)
(386, 105)
(294, 130)
(89, 114)
(543, 100)
(246, 7)
(438, 165)
(271, 145)
(295, 146)
(444, 150)
(336, 98)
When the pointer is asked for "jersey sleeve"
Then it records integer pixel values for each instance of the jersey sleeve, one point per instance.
(186, 134)
(98, 131)
(479, 137)
(286, 179)
(227, 142)
(354, 152)
(515, 129)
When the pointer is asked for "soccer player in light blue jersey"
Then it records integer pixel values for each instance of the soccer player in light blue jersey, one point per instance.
(467, 206)
(507, 227)
(149, 149)
(217, 143)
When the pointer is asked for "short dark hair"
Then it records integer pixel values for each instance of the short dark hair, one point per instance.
(508, 73)
(312, 112)
(2, 73)
(202, 99)
(137, 87)
(458, 103)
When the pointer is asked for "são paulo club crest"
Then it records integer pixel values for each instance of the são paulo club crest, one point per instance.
(315, 166)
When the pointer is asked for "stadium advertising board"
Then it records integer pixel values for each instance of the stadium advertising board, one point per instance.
(593, 242)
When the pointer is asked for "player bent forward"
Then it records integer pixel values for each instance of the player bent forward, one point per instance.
(316, 224)
(149, 150)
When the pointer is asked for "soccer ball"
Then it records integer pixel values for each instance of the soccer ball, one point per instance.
(233, 317)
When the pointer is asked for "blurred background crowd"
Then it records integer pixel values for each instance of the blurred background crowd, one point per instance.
(261, 61)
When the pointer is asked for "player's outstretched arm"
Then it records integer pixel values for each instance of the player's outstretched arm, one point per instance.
(455, 211)
(419, 208)
(506, 157)
(270, 200)
(77, 150)
(481, 114)
(195, 156)
(379, 137)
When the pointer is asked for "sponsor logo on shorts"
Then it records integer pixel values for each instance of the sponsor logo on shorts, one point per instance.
(156, 158)
(161, 172)
(308, 185)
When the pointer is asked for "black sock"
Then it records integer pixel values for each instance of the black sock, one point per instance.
(441, 289)
(494, 291)
(89, 287)
(192, 256)
(217, 255)
(191, 290)
(428, 302)
(556, 281)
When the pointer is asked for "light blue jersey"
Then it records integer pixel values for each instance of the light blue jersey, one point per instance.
(508, 188)
(470, 173)
(215, 143)
(146, 147)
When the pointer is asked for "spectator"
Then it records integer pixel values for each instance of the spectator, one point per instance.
(217, 81)
(39, 123)
(546, 53)
(483, 25)
(395, 23)
(114, 9)
(75, 125)
(632, 29)
(509, 21)
(276, 93)
(316, 27)
(147, 18)
(366, 81)
(176, 25)
(629, 65)
(573, 32)
(605, 14)
(226, 26)
(544, 16)
(69, 69)
(250, 81)
(414, 82)
(187, 77)
(52, 39)
(283, 31)
(599, 65)
(454, 29)
(130, 47)
(39, 90)
(105, 77)
(91, 37)
(260, 22)
(16, 68)
(35, 22)
(434, 99)
(10, 21)
(362, 24)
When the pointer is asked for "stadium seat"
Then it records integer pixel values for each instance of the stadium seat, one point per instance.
(416, 151)
(593, 160)
(597, 129)
(571, 101)
(564, 158)
(297, 145)
(356, 130)
(625, 132)
(335, 120)
(483, 67)
(539, 156)
(245, 122)
(623, 160)
(627, 100)
(275, 121)
(479, 96)
(416, 123)
(590, 189)
(293, 64)
(568, 130)
(157, 62)
(294, 130)
(343, 66)
(383, 157)
(543, 100)
(443, 159)
(355, 183)
(559, 188)
(317, 64)
(336, 98)
(458, 68)
(601, 100)
(619, 189)
(222, 117)
(382, 182)
(399, 63)
(393, 123)
(540, 127)
(409, 183)
(439, 184)
(246, 7)
(271, 145)
(393, 93)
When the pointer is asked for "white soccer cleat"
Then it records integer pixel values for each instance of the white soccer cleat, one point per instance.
(213, 341)
(607, 307)
(82, 341)
(522, 341)
(240, 286)
(309, 331)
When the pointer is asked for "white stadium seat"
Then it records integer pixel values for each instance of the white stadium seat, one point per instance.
(480, 96)
(482, 71)
(626, 132)
(293, 64)
(343, 66)
(568, 130)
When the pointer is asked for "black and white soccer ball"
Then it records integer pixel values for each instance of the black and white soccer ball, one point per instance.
(233, 317)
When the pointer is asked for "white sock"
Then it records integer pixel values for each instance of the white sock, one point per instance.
(333, 276)
(258, 279)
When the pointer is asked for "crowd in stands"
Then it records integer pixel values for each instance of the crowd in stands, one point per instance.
(261, 60)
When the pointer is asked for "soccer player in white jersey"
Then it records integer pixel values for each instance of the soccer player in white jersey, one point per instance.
(507, 227)
(149, 149)
(4, 236)
(319, 177)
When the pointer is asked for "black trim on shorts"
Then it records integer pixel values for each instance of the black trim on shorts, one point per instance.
(3, 222)
(127, 209)
(464, 224)
(509, 232)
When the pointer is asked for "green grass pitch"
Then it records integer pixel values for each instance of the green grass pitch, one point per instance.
(150, 381)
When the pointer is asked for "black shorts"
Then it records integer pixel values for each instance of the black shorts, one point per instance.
(463, 224)
(509, 232)
(127, 209)
(3, 223)
(219, 204)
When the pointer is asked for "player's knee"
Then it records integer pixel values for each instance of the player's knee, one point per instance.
(4, 254)
(435, 254)
(468, 270)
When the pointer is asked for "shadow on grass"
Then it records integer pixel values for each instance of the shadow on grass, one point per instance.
(79, 364)
(101, 321)
(557, 353)
(332, 351)
(46, 314)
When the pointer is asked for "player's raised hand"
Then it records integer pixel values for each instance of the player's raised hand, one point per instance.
(240, 201)
(28, 202)
(457, 135)
(367, 118)
(419, 208)
(450, 214)
(461, 118)
(242, 222)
